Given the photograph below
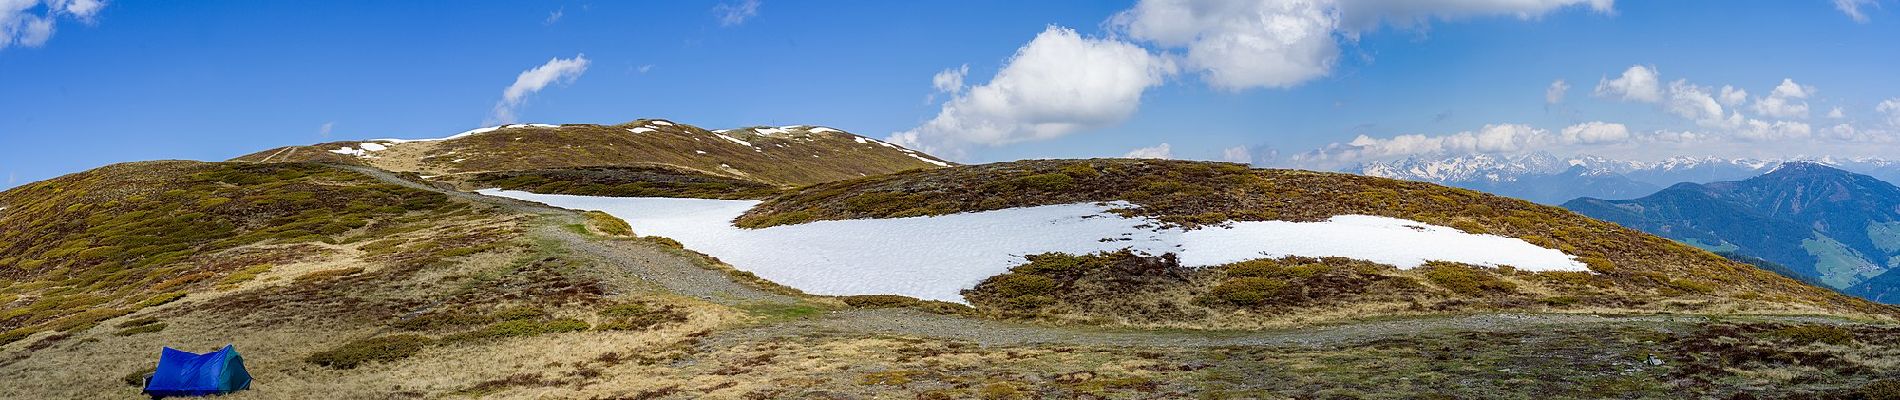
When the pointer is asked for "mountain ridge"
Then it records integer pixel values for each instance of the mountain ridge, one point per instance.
(1550, 179)
(782, 156)
(1827, 223)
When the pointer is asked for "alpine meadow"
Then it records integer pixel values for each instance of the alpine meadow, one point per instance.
(1132, 199)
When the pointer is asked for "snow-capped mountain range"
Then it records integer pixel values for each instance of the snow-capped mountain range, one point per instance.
(1551, 179)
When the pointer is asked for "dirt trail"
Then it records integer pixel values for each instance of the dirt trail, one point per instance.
(677, 274)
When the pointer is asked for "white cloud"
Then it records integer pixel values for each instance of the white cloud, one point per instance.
(1595, 132)
(1758, 130)
(555, 16)
(1239, 154)
(1890, 108)
(1231, 45)
(1237, 45)
(324, 131)
(1732, 96)
(27, 23)
(1696, 104)
(555, 71)
(1785, 101)
(735, 14)
(1555, 93)
(1852, 8)
(644, 68)
(1497, 138)
(1836, 113)
(1160, 151)
(1366, 15)
(950, 80)
(1638, 83)
(1057, 84)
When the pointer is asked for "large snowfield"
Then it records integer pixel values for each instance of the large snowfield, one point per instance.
(935, 258)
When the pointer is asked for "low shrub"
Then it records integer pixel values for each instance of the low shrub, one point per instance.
(1466, 280)
(636, 317)
(147, 328)
(879, 301)
(1815, 334)
(608, 224)
(524, 327)
(377, 349)
(1249, 291)
(328, 274)
(1885, 389)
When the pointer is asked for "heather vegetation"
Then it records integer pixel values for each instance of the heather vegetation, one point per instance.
(629, 181)
(776, 157)
(1631, 270)
(95, 245)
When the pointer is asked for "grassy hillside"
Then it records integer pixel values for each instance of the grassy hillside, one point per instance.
(98, 244)
(446, 295)
(1633, 271)
(782, 156)
(1822, 223)
(626, 181)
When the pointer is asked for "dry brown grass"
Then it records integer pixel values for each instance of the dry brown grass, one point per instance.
(790, 159)
(1634, 264)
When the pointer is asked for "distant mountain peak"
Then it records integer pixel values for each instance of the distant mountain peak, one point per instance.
(1805, 168)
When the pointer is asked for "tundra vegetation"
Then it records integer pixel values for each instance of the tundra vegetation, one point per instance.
(441, 296)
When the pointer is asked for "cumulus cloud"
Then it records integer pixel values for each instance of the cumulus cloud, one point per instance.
(1239, 154)
(1057, 84)
(1836, 113)
(1852, 8)
(1595, 132)
(735, 14)
(1786, 101)
(557, 71)
(1230, 45)
(1237, 45)
(1638, 83)
(30, 23)
(1696, 104)
(1497, 138)
(1366, 15)
(1758, 130)
(1160, 151)
(1732, 96)
(1555, 93)
(950, 80)
(1890, 110)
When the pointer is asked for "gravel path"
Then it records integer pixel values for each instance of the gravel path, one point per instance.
(672, 272)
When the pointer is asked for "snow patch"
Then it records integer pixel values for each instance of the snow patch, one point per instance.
(467, 133)
(660, 123)
(350, 151)
(823, 130)
(373, 146)
(921, 158)
(733, 139)
(642, 130)
(935, 258)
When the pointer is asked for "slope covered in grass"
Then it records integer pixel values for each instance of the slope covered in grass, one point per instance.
(1632, 270)
(779, 156)
(623, 181)
(97, 244)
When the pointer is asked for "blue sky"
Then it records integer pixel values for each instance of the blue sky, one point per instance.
(209, 80)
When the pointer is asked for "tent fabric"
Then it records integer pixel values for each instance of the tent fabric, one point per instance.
(183, 373)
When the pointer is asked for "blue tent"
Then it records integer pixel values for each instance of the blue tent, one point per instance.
(183, 373)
